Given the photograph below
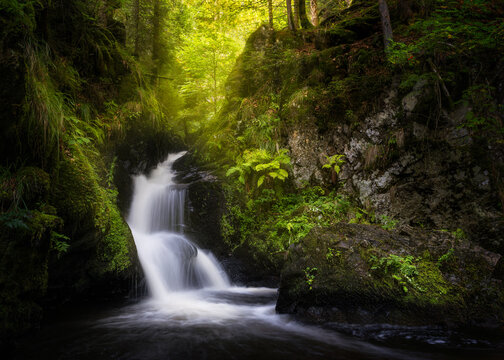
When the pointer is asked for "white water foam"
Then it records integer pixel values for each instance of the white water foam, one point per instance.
(188, 287)
(171, 262)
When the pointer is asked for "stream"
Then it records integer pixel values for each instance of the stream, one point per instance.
(194, 312)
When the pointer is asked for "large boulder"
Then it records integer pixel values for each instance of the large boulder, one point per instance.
(354, 273)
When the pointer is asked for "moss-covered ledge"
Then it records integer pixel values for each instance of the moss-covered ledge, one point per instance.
(355, 273)
(102, 254)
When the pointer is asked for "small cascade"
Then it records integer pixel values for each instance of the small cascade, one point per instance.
(171, 262)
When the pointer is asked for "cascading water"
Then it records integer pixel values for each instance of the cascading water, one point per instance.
(170, 261)
(193, 312)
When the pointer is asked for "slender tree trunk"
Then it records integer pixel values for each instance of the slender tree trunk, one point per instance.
(296, 14)
(156, 31)
(303, 19)
(136, 20)
(314, 12)
(214, 61)
(385, 21)
(270, 13)
(290, 19)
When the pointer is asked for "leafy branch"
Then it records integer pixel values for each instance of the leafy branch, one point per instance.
(258, 165)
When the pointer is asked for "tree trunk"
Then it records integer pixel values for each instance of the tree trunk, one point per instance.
(385, 21)
(296, 14)
(290, 19)
(314, 12)
(156, 31)
(303, 18)
(136, 20)
(270, 13)
(214, 78)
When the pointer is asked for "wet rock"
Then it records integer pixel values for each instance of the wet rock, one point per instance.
(359, 274)
(205, 204)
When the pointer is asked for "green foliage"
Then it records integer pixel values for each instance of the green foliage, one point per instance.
(334, 163)
(448, 42)
(445, 258)
(206, 46)
(111, 173)
(17, 15)
(458, 234)
(15, 220)
(263, 130)
(256, 166)
(332, 253)
(362, 216)
(59, 243)
(270, 222)
(401, 269)
(387, 223)
(44, 106)
(455, 28)
(410, 80)
(310, 273)
(485, 112)
(399, 53)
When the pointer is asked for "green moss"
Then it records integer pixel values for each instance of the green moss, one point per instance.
(33, 184)
(435, 288)
(411, 285)
(339, 35)
(40, 222)
(116, 246)
(88, 206)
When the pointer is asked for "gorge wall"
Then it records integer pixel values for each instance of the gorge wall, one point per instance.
(415, 160)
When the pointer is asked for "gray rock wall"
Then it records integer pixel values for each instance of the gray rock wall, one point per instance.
(403, 164)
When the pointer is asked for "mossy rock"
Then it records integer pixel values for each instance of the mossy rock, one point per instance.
(326, 38)
(362, 21)
(101, 245)
(364, 274)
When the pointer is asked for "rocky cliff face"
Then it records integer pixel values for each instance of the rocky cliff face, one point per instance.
(410, 157)
(397, 163)
(408, 154)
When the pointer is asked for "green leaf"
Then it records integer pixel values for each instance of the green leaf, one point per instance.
(261, 167)
(232, 170)
(260, 181)
(283, 173)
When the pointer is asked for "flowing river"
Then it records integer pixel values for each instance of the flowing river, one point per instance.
(194, 312)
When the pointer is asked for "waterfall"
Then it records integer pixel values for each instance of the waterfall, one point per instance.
(170, 261)
(193, 312)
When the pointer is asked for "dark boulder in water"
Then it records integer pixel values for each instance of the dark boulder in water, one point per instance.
(354, 273)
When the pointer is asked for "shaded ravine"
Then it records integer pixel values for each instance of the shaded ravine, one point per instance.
(192, 311)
